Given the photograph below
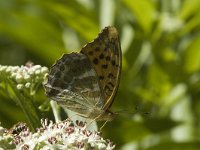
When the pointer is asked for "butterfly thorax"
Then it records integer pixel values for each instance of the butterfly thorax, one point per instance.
(102, 115)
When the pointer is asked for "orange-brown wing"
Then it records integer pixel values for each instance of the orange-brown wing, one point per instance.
(105, 56)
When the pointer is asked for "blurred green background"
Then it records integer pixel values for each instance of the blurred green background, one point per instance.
(159, 93)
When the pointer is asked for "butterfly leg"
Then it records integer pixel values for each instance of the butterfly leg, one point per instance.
(103, 125)
(96, 118)
(89, 123)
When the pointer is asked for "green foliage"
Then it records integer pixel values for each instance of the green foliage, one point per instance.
(160, 83)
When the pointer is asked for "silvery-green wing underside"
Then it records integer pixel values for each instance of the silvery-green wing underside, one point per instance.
(73, 83)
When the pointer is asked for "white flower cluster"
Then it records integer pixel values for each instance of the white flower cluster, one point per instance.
(171, 23)
(25, 76)
(62, 135)
(5, 140)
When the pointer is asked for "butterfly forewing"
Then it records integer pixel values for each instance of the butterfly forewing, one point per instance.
(73, 83)
(104, 54)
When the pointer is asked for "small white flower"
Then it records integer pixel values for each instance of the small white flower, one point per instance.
(44, 70)
(31, 72)
(3, 68)
(2, 130)
(101, 146)
(8, 69)
(27, 76)
(27, 85)
(37, 72)
(19, 78)
(20, 86)
(13, 74)
(15, 68)
(170, 23)
(36, 67)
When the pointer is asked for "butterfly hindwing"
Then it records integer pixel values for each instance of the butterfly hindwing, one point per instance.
(104, 54)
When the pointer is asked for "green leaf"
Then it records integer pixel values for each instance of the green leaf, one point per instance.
(191, 56)
(144, 12)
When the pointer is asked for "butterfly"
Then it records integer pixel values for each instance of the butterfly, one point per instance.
(87, 82)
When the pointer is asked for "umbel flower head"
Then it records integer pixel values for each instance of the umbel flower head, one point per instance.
(20, 83)
(62, 135)
(26, 77)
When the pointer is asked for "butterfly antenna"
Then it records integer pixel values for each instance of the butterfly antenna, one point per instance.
(132, 113)
(125, 112)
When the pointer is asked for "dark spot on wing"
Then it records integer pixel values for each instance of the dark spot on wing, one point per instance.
(62, 67)
(95, 61)
(101, 77)
(111, 76)
(90, 53)
(58, 62)
(58, 74)
(104, 66)
(63, 86)
(107, 90)
(52, 92)
(56, 83)
(116, 50)
(107, 58)
(113, 62)
(97, 49)
(101, 56)
(110, 84)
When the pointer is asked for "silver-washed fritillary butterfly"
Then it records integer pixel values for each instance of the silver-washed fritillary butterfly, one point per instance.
(87, 82)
